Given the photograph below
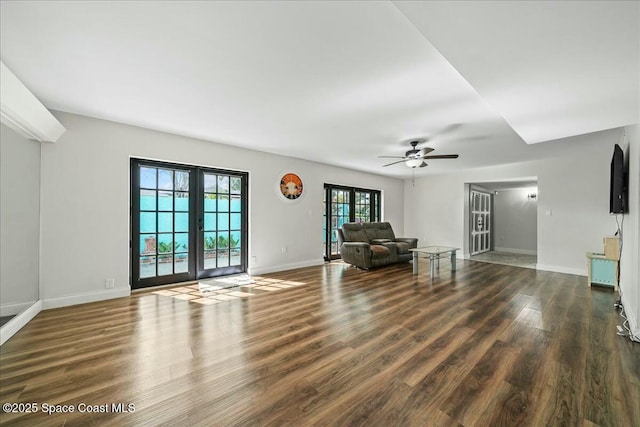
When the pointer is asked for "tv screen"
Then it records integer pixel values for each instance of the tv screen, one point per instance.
(617, 187)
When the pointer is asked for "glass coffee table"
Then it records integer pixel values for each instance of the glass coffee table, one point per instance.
(434, 252)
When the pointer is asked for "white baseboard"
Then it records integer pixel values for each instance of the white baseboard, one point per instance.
(633, 318)
(13, 309)
(560, 269)
(283, 267)
(85, 297)
(635, 327)
(516, 251)
(10, 328)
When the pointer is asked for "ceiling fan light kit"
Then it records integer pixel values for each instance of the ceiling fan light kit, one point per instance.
(414, 163)
(414, 158)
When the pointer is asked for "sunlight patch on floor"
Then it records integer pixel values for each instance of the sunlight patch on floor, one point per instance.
(215, 295)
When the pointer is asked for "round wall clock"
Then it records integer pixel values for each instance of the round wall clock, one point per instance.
(291, 186)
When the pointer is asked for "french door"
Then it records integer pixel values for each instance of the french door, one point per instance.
(480, 222)
(187, 222)
(346, 204)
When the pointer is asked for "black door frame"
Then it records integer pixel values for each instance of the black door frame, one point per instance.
(196, 202)
(244, 239)
(375, 207)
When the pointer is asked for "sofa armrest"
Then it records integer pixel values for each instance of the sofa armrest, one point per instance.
(356, 253)
(412, 241)
(355, 247)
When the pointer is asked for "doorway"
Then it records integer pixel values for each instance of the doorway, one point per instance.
(480, 205)
(511, 224)
(187, 223)
(346, 204)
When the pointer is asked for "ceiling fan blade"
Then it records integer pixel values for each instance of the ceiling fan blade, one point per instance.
(442, 156)
(399, 161)
(424, 164)
(426, 150)
(391, 157)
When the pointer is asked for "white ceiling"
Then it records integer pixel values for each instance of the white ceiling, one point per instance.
(339, 82)
(551, 69)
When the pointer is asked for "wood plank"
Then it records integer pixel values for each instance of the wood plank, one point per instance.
(333, 345)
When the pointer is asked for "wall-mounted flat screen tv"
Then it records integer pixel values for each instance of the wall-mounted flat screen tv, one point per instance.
(617, 202)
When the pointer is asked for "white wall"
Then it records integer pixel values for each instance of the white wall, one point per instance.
(515, 219)
(85, 204)
(19, 221)
(574, 188)
(629, 261)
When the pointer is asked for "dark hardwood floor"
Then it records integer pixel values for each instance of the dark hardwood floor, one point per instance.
(490, 345)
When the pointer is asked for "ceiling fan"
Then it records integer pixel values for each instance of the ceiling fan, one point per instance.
(415, 158)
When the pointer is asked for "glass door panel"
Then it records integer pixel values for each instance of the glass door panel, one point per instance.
(363, 206)
(223, 224)
(480, 207)
(160, 220)
(186, 222)
(340, 204)
(235, 222)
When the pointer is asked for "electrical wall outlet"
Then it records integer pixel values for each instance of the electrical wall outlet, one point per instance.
(109, 283)
(284, 249)
(254, 261)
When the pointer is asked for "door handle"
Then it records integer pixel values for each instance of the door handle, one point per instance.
(200, 225)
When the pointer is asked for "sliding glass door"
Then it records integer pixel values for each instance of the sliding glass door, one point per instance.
(187, 223)
(346, 204)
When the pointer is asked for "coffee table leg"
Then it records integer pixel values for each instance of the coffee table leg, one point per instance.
(432, 264)
(415, 263)
(438, 262)
(453, 260)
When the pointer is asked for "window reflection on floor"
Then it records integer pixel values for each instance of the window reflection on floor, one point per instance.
(193, 293)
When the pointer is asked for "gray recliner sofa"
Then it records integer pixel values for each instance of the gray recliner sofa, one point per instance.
(372, 244)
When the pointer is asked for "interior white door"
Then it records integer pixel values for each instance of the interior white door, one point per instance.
(480, 222)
